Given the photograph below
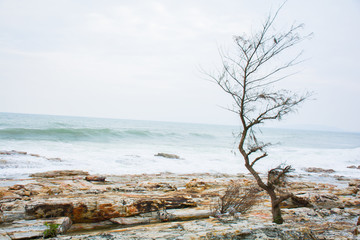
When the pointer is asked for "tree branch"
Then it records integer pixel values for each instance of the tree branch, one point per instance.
(257, 159)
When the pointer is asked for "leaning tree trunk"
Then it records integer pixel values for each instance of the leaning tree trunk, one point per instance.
(276, 213)
(275, 202)
(275, 208)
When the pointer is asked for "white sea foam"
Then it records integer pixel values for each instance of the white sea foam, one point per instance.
(108, 146)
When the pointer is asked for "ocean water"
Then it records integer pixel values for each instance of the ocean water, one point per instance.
(113, 146)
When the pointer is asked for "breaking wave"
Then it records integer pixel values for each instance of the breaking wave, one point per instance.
(88, 134)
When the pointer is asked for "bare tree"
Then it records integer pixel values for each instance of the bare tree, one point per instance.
(250, 77)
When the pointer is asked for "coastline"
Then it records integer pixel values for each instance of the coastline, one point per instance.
(16, 164)
(115, 146)
(128, 206)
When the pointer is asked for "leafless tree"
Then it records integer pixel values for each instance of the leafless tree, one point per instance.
(250, 77)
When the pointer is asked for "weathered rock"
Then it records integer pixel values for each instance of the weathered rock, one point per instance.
(205, 229)
(346, 191)
(150, 205)
(80, 227)
(8, 196)
(49, 209)
(319, 170)
(27, 229)
(354, 183)
(164, 216)
(157, 186)
(134, 220)
(12, 152)
(351, 202)
(295, 202)
(135, 199)
(55, 159)
(17, 187)
(95, 178)
(186, 214)
(321, 200)
(197, 185)
(14, 215)
(167, 155)
(352, 166)
(95, 208)
(60, 173)
(34, 155)
(4, 236)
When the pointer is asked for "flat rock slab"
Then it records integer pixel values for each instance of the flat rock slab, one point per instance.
(27, 229)
(94, 207)
(164, 216)
(201, 229)
(3, 235)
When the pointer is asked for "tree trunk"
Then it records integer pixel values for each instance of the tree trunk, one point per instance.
(276, 212)
(275, 203)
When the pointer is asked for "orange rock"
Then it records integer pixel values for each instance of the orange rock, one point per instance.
(17, 187)
(108, 211)
(131, 210)
(79, 212)
(197, 185)
(95, 178)
(9, 195)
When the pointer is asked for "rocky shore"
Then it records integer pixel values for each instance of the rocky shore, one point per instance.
(170, 206)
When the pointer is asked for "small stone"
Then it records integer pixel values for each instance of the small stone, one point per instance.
(167, 155)
(20, 152)
(5, 153)
(60, 173)
(300, 201)
(95, 178)
(55, 159)
(319, 170)
(352, 166)
(34, 155)
(322, 200)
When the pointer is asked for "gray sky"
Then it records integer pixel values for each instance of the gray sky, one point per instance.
(142, 59)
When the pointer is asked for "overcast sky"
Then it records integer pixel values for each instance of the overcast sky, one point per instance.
(142, 59)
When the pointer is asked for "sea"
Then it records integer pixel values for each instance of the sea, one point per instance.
(115, 146)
